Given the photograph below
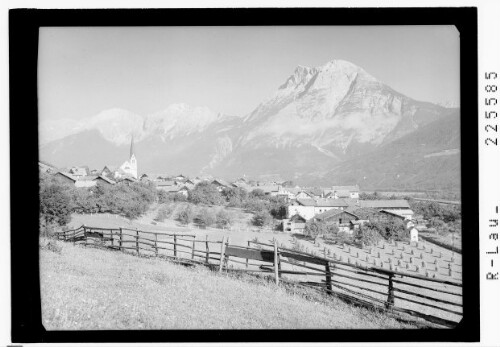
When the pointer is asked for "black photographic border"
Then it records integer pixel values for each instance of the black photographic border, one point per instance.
(23, 51)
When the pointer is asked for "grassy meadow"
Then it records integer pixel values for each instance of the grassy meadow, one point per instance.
(89, 288)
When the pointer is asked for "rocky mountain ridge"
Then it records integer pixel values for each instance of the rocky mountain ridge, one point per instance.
(318, 119)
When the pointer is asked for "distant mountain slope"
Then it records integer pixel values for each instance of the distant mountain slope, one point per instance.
(333, 123)
(428, 158)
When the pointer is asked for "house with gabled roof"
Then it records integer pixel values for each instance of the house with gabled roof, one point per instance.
(294, 224)
(308, 208)
(79, 171)
(65, 177)
(221, 184)
(400, 207)
(346, 191)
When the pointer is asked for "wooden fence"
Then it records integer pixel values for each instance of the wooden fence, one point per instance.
(435, 300)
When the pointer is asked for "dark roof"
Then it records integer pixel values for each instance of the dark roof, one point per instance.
(221, 182)
(323, 202)
(104, 178)
(332, 213)
(363, 212)
(384, 204)
(66, 174)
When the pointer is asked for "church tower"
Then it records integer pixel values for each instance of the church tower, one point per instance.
(130, 166)
(133, 160)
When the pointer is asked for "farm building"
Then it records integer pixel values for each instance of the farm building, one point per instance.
(308, 208)
(399, 207)
(295, 224)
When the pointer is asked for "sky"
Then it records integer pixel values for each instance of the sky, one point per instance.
(83, 71)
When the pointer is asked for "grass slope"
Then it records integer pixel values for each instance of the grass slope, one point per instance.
(88, 288)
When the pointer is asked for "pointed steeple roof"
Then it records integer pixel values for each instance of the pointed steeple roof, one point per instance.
(132, 146)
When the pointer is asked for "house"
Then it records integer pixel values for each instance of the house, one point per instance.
(165, 185)
(400, 207)
(85, 181)
(303, 195)
(271, 190)
(346, 191)
(296, 224)
(221, 184)
(289, 193)
(336, 216)
(176, 189)
(373, 215)
(65, 177)
(78, 172)
(314, 192)
(308, 208)
(180, 178)
(107, 172)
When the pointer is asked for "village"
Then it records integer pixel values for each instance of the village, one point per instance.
(337, 205)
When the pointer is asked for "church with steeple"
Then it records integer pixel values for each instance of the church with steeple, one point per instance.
(129, 167)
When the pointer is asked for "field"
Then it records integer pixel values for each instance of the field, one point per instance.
(89, 288)
(424, 258)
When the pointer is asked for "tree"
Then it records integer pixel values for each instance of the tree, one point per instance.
(186, 215)
(315, 228)
(206, 217)
(55, 202)
(205, 193)
(262, 218)
(223, 219)
(390, 230)
(367, 235)
(277, 206)
(257, 194)
(235, 196)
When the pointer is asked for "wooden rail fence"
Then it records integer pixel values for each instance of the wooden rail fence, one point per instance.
(435, 300)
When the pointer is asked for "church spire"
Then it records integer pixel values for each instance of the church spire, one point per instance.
(132, 146)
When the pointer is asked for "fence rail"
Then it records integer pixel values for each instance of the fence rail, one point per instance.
(372, 286)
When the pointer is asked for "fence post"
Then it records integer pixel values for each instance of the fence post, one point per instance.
(328, 278)
(221, 254)
(120, 241)
(194, 244)
(137, 240)
(390, 295)
(156, 245)
(246, 261)
(276, 260)
(207, 249)
(175, 245)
